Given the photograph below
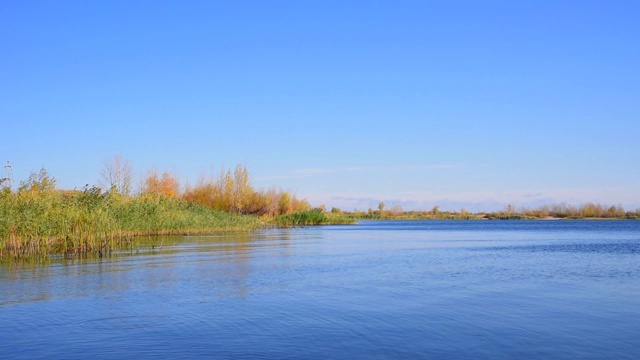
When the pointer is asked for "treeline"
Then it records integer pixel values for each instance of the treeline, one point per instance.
(397, 213)
(556, 211)
(409, 215)
(563, 211)
(231, 191)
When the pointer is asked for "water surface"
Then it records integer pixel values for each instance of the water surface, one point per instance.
(421, 289)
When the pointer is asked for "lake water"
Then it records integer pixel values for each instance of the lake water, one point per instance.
(376, 290)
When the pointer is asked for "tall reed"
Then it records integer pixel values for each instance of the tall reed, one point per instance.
(310, 217)
(37, 223)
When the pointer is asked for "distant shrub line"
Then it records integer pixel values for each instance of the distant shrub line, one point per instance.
(558, 211)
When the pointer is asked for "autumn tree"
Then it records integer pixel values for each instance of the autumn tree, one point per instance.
(302, 204)
(117, 175)
(271, 202)
(165, 184)
(284, 203)
(206, 192)
(241, 189)
(232, 192)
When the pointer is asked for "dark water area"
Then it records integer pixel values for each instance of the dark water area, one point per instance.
(376, 290)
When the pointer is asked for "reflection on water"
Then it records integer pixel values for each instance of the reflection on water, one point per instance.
(456, 289)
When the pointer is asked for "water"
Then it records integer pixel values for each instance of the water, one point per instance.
(432, 290)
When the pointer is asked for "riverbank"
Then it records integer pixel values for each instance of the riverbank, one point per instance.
(573, 214)
(38, 220)
(36, 225)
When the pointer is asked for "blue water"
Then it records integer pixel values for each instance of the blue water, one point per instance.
(376, 290)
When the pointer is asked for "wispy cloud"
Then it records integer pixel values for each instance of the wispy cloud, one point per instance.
(308, 172)
(317, 171)
(489, 200)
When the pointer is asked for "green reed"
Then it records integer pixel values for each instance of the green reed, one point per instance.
(310, 217)
(37, 224)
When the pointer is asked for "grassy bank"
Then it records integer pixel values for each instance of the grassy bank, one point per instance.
(39, 223)
(311, 217)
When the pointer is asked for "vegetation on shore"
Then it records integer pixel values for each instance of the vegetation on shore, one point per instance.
(558, 211)
(564, 211)
(315, 216)
(38, 220)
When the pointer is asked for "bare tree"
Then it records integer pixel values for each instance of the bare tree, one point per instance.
(117, 174)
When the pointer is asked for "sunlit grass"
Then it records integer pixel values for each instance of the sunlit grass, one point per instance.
(38, 224)
(310, 217)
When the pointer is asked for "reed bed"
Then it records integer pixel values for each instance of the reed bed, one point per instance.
(310, 217)
(38, 224)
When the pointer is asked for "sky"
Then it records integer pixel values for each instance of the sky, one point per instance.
(462, 104)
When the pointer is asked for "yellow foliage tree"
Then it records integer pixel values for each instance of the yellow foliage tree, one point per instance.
(232, 192)
(165, 184)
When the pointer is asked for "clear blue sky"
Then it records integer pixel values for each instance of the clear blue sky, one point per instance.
(346, 103)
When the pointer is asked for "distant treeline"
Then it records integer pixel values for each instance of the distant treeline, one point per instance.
(557, 211)
(564, 211)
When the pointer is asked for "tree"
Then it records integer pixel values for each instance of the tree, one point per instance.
(510, 209)
(271, 201)
(284, 203)
(117, 175)
(165, 184)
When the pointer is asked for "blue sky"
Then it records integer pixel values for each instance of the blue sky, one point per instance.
(471, 104)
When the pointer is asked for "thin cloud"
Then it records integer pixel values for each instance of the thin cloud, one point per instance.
(489, 200)
(321, 171)
(309, 172)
